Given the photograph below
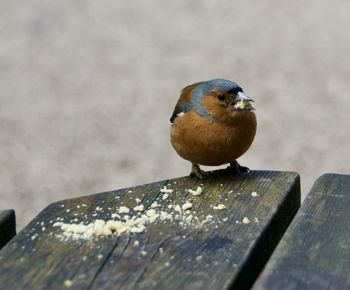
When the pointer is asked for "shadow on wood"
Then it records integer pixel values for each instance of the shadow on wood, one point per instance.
(7, 226)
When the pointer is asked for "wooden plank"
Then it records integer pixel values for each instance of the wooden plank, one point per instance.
(221, 254)
(315, 251)
(7, 226)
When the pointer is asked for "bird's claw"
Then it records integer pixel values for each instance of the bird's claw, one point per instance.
(235, 167)
(197, 172)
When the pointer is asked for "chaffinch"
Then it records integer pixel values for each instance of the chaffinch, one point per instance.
(213, 124)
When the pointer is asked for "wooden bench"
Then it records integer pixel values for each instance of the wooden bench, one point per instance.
(315, 251)
(7, 226)
(214, 249)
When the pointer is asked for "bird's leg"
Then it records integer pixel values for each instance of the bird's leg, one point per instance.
(236, 168)
(196, 171)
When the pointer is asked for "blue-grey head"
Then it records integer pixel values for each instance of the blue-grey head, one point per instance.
(219, 98)
(216, 99)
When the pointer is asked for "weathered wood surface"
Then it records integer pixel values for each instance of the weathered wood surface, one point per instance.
(219, 256)
(7, 226)
(315, 251)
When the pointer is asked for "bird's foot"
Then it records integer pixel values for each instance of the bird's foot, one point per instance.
(236, 168)
(196, 171)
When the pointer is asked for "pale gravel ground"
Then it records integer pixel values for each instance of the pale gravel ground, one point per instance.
(87, 89)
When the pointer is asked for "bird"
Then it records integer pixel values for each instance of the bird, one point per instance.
(213, 124)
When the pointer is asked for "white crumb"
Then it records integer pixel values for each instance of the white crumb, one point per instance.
(165, 196)
(68, 283)
(99, 256)
(189, 218)
(186, 206)
(161, 251)
(123, 209)
(143, 253)
(246, 220)
(254, 194)
(166, 190)
(220, 206)
(177, 208)
(155, 204)
(242, 104)
(196, 192)
(137, 200)
(136, 243)
(151, 212)
(139, 207)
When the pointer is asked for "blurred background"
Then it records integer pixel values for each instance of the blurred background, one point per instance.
(87, 89)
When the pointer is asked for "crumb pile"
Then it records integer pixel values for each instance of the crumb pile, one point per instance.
(136, 219)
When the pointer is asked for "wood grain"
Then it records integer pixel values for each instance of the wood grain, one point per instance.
(7, 226)
(225, 255)
(315, 251)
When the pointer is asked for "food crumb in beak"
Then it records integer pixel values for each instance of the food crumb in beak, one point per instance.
(243, 105)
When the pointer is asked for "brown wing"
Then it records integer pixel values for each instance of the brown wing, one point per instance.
(184, 102)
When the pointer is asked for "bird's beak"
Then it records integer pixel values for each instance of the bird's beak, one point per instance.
(243, 97)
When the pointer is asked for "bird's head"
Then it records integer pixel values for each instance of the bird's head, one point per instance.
(220, 100)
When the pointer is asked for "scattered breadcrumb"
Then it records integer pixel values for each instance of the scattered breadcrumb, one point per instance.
(155, 204)
(254, 194)
(68, 283)
(34, 237)
(186, 206)
(99, 256)
(220, 206)
(123, 209)
(137, 219)
(151, 212)
(177, 208)
(196, 192)
(139, 207)
(143, 253)
(166, 190)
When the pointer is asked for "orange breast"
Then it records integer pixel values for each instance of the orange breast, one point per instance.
(212, 143)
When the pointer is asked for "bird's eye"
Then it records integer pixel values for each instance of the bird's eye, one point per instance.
(221, 97)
